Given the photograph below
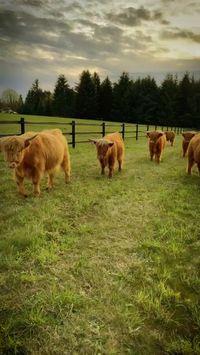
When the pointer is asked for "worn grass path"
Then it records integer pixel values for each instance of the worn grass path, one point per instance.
(102, 266)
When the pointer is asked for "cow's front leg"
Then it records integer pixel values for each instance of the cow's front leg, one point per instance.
(158, 158)
(151, 155)
(36, 184)
(103, 165)
(111, 166)
(20, 184)
(120, 165)
(66, 167)
(198, 165)
(190, 163)
(111, 169)
(50, 181)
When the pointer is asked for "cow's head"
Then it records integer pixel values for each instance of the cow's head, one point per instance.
(188, 135)
(154, 135)
(14, 149)
(102, 146)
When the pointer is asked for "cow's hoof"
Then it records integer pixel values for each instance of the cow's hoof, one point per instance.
(48, 188)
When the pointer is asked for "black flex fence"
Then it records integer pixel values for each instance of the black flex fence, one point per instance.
(75, 129)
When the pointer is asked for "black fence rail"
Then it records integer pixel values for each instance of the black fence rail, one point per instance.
(127, 130)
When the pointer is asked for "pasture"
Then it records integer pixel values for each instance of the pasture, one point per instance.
(102, 266)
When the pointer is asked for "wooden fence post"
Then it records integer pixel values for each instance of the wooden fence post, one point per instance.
(103, 129)
(136, 132)
(22, 123)
(155, 127)
(148, 127)
(73, 134)
(123, 131)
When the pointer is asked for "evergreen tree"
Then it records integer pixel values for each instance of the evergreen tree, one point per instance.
(121, 99)
(144, 99)
(168, 101)
(106, 97)
(97, 84)
(33, 100)
(63, 98)
(20, 105)
(47, 103)
(196, 105)
(185, 101)
(85, 100)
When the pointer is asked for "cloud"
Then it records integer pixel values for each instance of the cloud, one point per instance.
(44, 38)
(180, 34)
(34, 3)
(135, 16)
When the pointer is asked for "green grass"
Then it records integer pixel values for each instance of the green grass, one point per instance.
(102, 266)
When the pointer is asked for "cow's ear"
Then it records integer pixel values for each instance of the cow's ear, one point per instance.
(92, 141)
(161, 134)
(148, 134)
(27, 142)
(183, 134)
(110, 144)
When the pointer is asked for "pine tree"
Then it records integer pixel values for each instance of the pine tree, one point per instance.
(85, 100)
(33, 100)
(63, 98)
(121, 99)
(185, 101)
(20, 105)
(106, 98)
(168, 101)
(144, 101)
(97, 84)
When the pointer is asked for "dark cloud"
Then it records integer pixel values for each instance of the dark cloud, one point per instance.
(180, 34)
(34, 3)
(43, 38)
(133, 17)
(22, 29)
(25, 28)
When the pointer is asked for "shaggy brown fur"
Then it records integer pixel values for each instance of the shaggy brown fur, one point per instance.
(194, 153)
(32, 157)
(3, 140)
(157, 141)
(109, 150)
(187, 136)
(170, 136)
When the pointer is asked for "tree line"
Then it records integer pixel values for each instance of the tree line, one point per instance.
(173, 103)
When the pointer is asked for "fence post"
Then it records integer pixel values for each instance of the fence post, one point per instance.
(103, 129)
(155, 127)
(22, 123)
(148, 127)
(136, 136)
(73, 134)
(123, 131)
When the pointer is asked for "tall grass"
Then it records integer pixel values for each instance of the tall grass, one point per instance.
(102, 266)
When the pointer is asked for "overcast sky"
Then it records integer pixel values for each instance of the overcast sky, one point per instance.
(44, 38)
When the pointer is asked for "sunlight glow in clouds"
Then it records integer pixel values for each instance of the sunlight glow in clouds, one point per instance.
(65, 37)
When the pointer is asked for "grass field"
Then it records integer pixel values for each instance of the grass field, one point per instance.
(102, 266)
